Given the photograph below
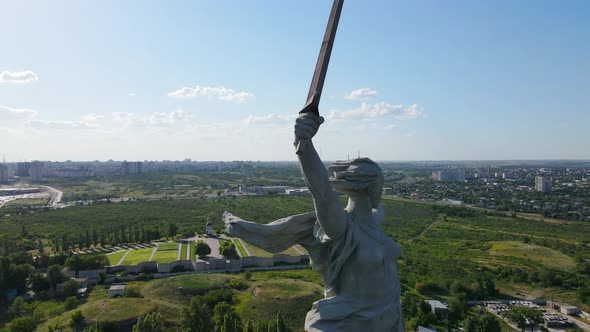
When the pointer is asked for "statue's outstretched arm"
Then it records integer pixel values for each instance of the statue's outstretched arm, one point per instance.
(329, 211)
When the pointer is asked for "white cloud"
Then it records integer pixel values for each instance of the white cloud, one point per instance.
(378, 110)
(26, 76)
(131, 94)
(126, 119)
(7, 113)
(58, 124)
(219, 92)
(391, 126)
(166, 118)
(411, 112)
(157, 119)
(270, 118)
(92, 118)
(360, 94)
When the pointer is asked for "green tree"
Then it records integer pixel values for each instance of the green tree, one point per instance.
(71, 303)
(219, 312)
(16, 307)
(149, 323)
(281, 327)
(70, 288)
(54, 275)
(249, 327)
(196, 316)
(77, 321)
(523, 317)
(202, 249)
(39, 282)
(485, 323)
(231, 322)
(227, 249)
(23, 324)
(40, 247)
(172, 229)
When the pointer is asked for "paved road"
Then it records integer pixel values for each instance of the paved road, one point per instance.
(56, 196)
(213, 243)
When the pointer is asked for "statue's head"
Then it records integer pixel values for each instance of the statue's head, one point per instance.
(356, 176)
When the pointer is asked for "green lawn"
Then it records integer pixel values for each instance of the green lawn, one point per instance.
(193, 247)
(240, 247)
(165, 256)
(168, 246)
(115, 257)
(137, 256)
(255, 251)
(183, 251)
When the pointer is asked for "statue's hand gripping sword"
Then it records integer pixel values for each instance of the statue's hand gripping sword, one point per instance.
(321, 67)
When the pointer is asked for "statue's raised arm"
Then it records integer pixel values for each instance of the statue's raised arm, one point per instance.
(329, 211)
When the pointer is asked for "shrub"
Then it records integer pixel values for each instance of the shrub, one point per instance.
(132, 292)
(71, 303)
(24, 324)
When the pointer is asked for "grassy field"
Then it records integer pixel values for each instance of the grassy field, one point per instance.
(115, 257)
(137, 256)
(165, 256)
(293, 298)
(22, 202)
(255, 251)
(548, 257)
(183, 251)
(167, 246)
(192, 249)
(180, 289)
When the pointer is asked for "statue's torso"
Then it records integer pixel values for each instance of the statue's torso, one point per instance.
(370, 273)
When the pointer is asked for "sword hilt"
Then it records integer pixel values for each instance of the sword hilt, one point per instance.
(310, 107)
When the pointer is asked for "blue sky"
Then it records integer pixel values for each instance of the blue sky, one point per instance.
(224, 80)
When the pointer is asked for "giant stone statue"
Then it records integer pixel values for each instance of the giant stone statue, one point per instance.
(357, 261)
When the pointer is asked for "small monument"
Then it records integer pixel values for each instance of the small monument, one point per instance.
(209, 229)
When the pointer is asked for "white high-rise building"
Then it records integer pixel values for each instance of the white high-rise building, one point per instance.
(542, 184)
(36, 171)
(451, 174)
(3, 173)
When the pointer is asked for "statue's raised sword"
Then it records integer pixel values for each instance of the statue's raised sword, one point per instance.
(321, 67)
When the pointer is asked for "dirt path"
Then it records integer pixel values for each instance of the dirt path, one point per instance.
(179, 251)
(297, 249)
(244, 246)
(122, 258)
(153, 253)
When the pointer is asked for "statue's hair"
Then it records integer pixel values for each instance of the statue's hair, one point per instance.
(369, 171)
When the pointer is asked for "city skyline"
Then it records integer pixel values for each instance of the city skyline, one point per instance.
(221, 81)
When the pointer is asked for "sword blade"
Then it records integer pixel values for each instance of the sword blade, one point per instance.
(321, 67)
